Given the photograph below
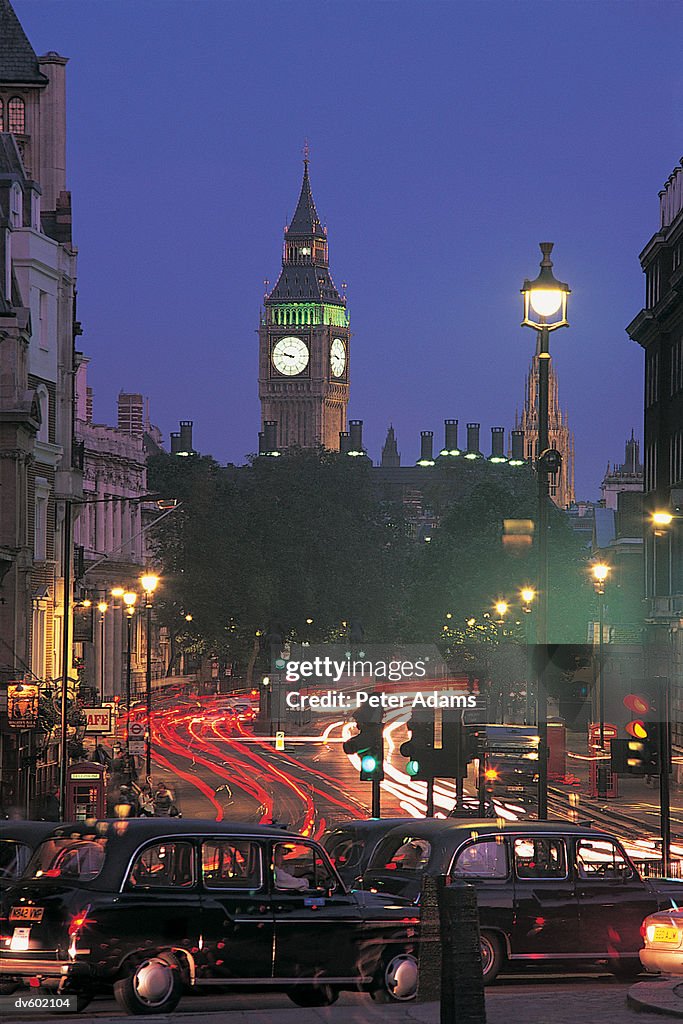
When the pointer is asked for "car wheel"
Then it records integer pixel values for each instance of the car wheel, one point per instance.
(492, 958)
(151, 986)
(313, 995)
(397, 982)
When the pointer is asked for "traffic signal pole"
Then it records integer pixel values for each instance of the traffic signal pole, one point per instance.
(376, 798)
(664, 760)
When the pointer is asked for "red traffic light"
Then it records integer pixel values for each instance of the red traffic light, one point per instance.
(637, 729)
(637, 703)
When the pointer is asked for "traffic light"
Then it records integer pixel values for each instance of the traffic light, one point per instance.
(368, 743)
(419, 749)
(645, 731)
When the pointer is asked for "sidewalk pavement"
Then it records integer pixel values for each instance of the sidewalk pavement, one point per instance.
(661, 995)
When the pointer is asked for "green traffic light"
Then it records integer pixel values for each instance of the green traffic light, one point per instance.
(368, 763)
(413, 767)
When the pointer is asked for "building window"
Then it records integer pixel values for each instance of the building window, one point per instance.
(16, 217)
(40, 528)
(44, 400)
(677, 366)
(652, 379)
(650, 467)
(16, 116)
(652, 283)
(676, 458)
(2, 116)
(38, 640)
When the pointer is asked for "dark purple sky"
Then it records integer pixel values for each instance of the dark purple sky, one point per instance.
(447, 140)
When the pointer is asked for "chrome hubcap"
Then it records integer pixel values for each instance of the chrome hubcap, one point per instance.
(486, 955)
(400, 976)
(154, 981)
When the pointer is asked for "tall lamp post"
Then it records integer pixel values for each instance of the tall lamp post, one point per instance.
(129, 599)
(149, 584)
(527, 596)
(545, 310)
(102, 609)
(600, 573)
(501, 611)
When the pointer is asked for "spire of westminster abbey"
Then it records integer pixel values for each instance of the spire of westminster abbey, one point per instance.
(561, 485)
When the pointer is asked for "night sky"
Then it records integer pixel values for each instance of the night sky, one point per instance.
(446, 139)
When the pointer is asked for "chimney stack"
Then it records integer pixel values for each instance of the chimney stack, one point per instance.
(473, 441)
(344, 442)
(517, 457)
(186, 437)
(498, 444)
(356, 437)
(451, 441)
(426, 448)
(175, 443)
(270, 436)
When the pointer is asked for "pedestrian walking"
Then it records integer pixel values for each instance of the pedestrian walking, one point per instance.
(163, 801)
(146, 802)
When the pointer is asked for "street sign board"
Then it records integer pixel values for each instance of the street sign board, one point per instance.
(22, 705)
(137, 746)
(136, 730)
(99, 720)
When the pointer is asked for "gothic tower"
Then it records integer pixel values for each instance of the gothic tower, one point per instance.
(304, 339)
(561, 484)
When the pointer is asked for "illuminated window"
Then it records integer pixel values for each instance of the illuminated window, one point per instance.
(16, 116)
(2, 116)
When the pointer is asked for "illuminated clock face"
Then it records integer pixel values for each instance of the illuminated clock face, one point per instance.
(305, 251)
(290, 356)
(337, 357)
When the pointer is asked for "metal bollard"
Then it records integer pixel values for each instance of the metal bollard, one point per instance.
(462, 983)
(429, 956)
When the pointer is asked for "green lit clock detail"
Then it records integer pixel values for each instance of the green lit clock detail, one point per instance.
(337, 357)
(290, 356)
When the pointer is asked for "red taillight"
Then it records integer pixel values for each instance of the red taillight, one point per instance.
(643, 931)
(390, 866)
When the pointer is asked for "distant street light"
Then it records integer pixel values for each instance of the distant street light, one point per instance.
(600, 573)
(149, 584)
(545, 310)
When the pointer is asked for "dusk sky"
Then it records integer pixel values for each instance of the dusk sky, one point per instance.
(447, 139)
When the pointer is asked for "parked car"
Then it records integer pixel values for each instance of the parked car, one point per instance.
(547, 891)
(663, 935)
(151, 906)
(18, 840)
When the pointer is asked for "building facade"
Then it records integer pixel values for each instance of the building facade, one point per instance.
(40, 464)
(658, 329)
(304, 339)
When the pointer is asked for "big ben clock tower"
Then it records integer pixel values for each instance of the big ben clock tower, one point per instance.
(304, 339)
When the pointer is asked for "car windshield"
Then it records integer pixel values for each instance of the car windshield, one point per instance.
(345, 849)
(72, 859)
(14, 856)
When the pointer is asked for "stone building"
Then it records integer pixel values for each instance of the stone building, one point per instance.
(40, 465)
(561, 484)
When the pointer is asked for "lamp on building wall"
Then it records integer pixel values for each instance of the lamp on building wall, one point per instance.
(149, 583)
(545, 310)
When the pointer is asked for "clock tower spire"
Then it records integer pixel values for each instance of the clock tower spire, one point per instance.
(304, 338)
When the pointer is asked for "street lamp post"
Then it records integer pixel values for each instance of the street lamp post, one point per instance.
(545, 310)
(527, 595)
(600, 574)
(129, 599)
(102, 609)
(149, 584)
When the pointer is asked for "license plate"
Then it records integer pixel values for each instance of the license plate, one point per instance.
(26, 914)
(666, 934)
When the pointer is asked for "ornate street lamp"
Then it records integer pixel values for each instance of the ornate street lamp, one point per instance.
(545, 310)
(149, 584)
(600, 573)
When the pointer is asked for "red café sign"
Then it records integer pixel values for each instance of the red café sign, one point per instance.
(99, 720)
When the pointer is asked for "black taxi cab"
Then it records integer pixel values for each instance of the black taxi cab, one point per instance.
(547, 891)
(150, 907)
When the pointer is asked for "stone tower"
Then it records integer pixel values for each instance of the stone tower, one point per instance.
(304, 339)
(561, 484)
